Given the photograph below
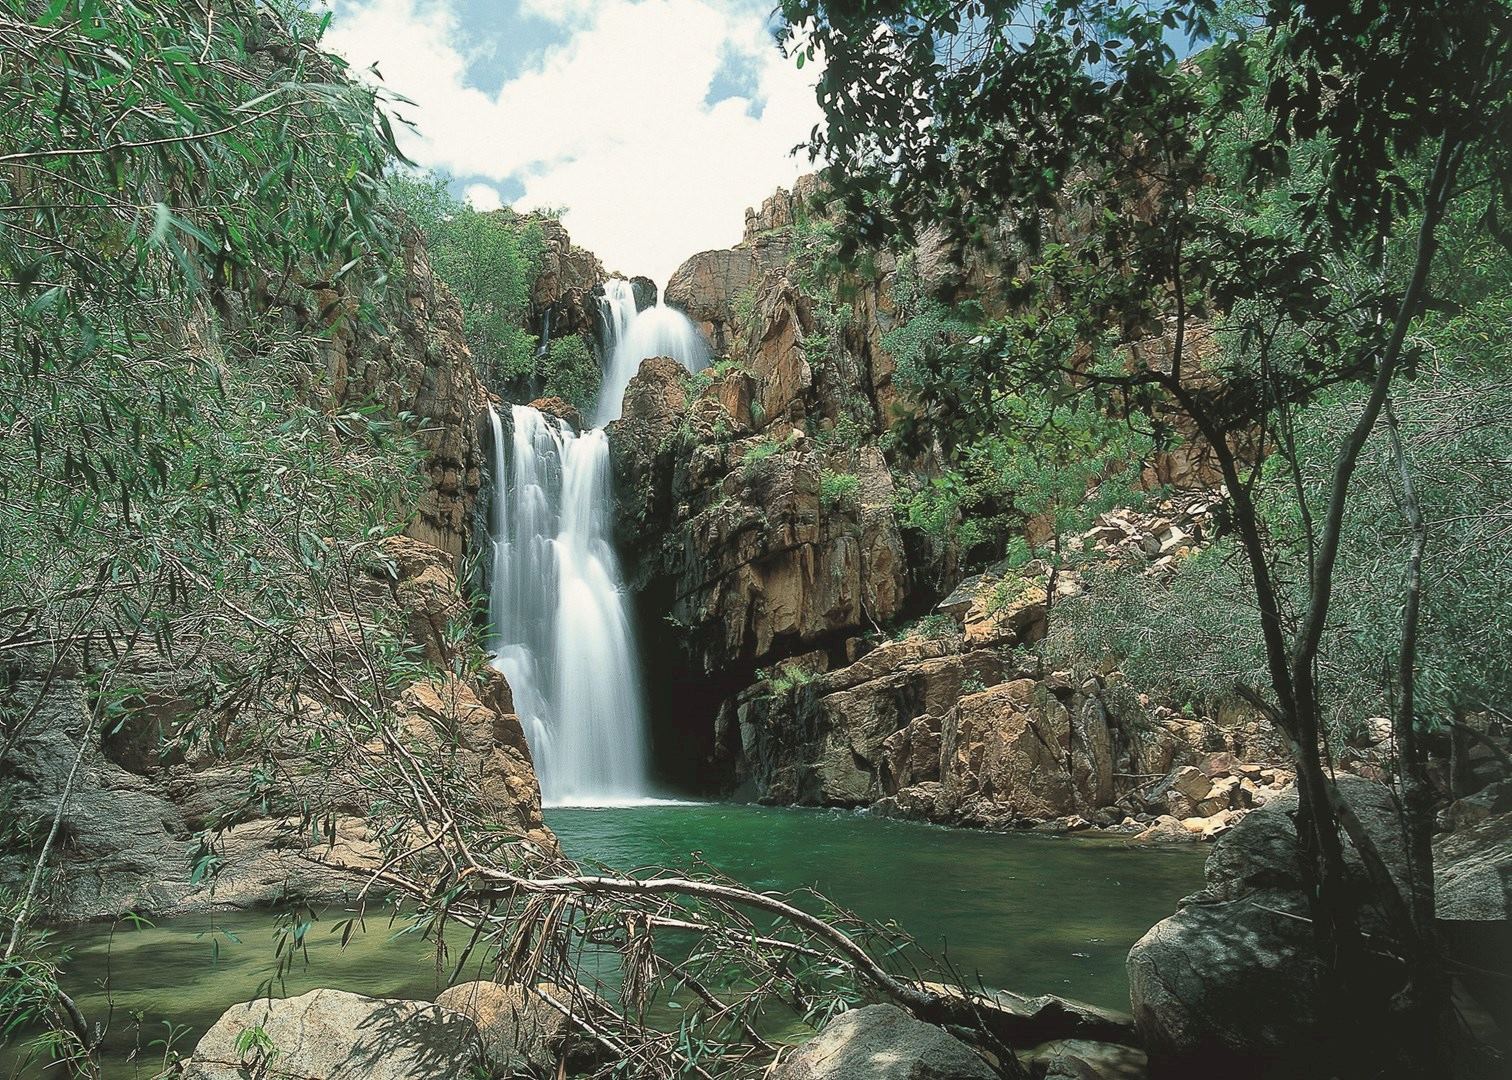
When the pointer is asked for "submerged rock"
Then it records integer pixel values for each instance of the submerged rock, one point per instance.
(334, 1035)
(1083, 1059)
(882, 1042)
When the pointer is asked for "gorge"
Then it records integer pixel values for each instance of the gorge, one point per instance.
(1031, 606)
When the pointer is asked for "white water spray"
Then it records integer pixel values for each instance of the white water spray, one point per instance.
(562, 633)
(631, 337)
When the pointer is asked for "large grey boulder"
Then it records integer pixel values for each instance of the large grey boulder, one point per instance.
(1229, 985)
(882, 1042)
(1473, 872)
(519, 1030)
(334, 1035)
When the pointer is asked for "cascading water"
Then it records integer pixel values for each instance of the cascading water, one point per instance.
(562, 627)
(562, 633)
(631, 337)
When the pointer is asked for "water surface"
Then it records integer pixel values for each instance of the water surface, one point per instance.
(1031, 913)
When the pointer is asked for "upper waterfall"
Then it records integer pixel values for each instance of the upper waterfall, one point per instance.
(630, 337)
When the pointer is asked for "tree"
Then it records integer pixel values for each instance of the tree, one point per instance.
(1347, 135)
(489, 261)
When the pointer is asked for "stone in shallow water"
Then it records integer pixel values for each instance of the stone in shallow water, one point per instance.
(882, 1042)
(334, 1035)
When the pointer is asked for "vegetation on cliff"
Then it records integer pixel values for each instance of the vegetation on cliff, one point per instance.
(1282, 246)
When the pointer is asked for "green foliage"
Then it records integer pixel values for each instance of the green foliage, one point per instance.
(912, 343)
(935, 626)
(838, 489)
(490, 262)
(786, 678)
(571, 372)
(180, 483)
(766, 447)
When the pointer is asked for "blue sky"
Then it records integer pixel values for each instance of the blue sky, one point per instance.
(655, 123)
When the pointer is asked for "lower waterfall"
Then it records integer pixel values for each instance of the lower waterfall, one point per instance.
(561, 623)
(561, 628)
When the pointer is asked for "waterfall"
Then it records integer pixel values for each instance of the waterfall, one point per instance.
(560, 616)
(561, 621)
(630, 337)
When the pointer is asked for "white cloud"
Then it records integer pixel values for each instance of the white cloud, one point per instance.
(483, 197)
(612, 124)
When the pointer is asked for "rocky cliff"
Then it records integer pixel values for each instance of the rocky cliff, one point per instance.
(142, 812)
(781, 595)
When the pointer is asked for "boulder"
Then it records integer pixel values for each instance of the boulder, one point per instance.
(708, 287)
(882, 1042)
(519, 1030)
(1229, 984)
(1083, 1059)
(334, 1035)
(562, 410)
(1473, 872)
(1017, 747)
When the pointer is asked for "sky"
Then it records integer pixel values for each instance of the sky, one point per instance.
(652, 123)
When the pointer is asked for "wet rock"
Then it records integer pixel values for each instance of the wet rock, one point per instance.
(562, 410)
(334, 1035)
(882, 1042)
(1084, 1059)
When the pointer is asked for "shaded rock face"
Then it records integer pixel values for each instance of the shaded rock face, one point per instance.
(732, 540)
(569, 277)
(882, 1042)
(835, 741)
(335, 1035)
(1230, 983)
(757, 512)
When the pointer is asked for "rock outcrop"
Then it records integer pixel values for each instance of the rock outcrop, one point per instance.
(760, 522)
(521, 1033)
(564, 290)
(882, 1042)
(335, 1035)
(138, 816)
(416, 362)
(1230, 983)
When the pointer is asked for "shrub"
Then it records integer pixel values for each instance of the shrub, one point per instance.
(838, 489)
(571, 372)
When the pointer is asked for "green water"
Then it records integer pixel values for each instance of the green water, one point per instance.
(1030, 913)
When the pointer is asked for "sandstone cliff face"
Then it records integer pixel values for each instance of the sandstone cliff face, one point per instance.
(564, 289)
(417, 362)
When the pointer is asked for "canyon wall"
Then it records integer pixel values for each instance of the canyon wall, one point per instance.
(806, 648)
(139, 816)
